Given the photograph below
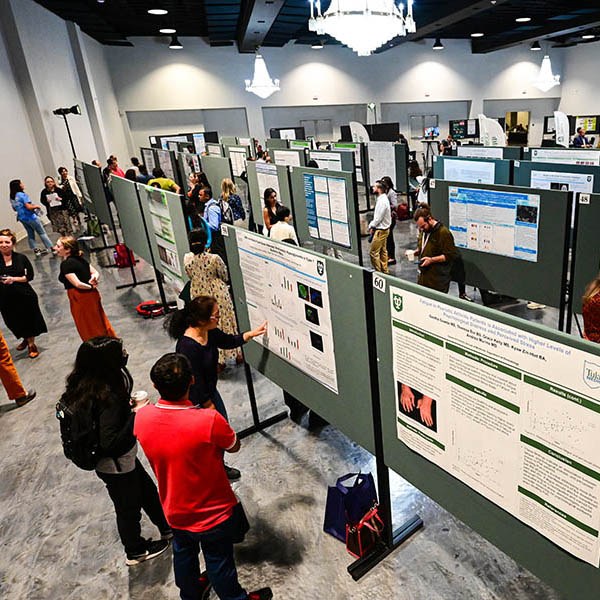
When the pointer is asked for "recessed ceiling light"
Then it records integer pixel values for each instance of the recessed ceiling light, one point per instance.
(168, 30)
(477, 35)
(588, 36)
(158, 11)
(523, 19)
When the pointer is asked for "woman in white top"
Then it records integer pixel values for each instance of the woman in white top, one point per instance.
(282, 230)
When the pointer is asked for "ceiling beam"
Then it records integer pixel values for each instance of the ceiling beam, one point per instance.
(256, 20)
(551, 29)
(452, 17)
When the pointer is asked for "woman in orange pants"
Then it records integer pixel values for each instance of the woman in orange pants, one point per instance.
(81, 281)
(10, 378)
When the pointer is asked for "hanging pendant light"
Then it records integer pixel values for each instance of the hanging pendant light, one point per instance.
(262, 85)
(362, 25)
(546, 80)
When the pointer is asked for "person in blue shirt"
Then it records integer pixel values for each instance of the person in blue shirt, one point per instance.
(214, 218)
(580, 141)
(27, 215)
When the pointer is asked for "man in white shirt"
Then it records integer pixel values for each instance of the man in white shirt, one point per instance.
(283, 230)
(379, 228)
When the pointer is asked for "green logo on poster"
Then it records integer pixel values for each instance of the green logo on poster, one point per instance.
(397, 302)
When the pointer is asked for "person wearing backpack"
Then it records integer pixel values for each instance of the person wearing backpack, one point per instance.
(96, 424)
(232, 209)
(214, 218)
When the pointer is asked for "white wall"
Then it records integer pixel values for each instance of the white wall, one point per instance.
(214, 77)
(581, 82)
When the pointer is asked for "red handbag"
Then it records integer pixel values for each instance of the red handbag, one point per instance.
(361, 538)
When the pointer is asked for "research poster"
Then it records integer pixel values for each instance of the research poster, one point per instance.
(162, 227)
(199, 143)
(469, 171)
(495, 222)
(567, 157)
(238, 160)
(588, 123)
(214, 150)
(327, 208)
(148, 158)
(330, 161)
(288, 288)
(382, 160)
(513, 415)
(289, 158)
(164, 162)
(470, 151)
(355, 149)
(266, 175)
(567, 182)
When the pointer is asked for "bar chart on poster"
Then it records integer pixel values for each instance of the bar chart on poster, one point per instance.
(289, 289)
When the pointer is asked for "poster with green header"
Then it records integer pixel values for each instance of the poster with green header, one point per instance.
(515, 416)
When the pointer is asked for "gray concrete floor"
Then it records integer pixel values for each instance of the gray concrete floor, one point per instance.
(57, 525)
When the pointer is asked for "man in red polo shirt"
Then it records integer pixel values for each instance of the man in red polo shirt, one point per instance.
(185, 446)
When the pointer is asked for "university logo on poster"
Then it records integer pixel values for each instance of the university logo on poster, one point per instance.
(398, 302)
(591, 374)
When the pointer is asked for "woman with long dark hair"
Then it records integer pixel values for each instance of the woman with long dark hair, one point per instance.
(270, 208)
(99, 392)
(81, 282)
(53, 198)
(27, 215)
(196, 329)
(18, 301)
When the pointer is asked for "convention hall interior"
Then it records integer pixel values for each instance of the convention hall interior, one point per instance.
(485, 484)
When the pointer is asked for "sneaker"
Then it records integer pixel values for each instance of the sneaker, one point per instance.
(23, 400)
(37, 252)
(535, 305)
(205, 586)
(232, 473)
(167, 534)
(466, 298)
(153, 549)
(262, 594)
(391, 261)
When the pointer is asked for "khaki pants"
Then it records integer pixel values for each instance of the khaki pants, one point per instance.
(378, 251)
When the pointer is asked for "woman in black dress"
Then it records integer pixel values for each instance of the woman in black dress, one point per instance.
(18, 300)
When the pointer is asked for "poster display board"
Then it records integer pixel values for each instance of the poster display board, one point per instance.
(554, 176)
(288, 158)
(289, 288)
(299, 144)
(97, 193)
(590, 123)
(495, 221)
(387, 158)
(526, 229)
(494, 418)
(166, 223)
(326, 207)
(80, 179)
(333, 160)
(165, 162)
(188, 164)
(266, 175)
(356, 149)
(345, 303)
(471, 151)
(238, 156)
(214, 149)
(148, 159)
(276, 144)
(564, 156)
(474, 170)
(199, 143)
(216, 169)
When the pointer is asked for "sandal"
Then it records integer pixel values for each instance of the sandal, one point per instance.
(33, 351)
(22, 345)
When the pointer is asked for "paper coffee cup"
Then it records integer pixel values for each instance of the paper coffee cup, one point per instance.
(410, 254)
(139, 398)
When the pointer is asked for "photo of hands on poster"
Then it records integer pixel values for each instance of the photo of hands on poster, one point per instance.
(417, 406)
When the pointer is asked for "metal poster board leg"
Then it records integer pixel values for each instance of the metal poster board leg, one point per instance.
(566, 290)
(390, 539)
(573, 257)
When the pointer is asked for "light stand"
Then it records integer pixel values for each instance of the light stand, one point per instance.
(63, 112)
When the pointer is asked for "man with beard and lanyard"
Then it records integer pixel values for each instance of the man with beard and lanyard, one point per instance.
(436, 251)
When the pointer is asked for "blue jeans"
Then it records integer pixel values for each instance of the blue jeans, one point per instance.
(33, 227)
(217, 548)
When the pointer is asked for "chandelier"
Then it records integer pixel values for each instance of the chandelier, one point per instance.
(262, 85)
(546, 80)
(362, 25)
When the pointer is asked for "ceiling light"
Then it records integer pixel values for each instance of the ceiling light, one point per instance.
(477, 35)
(317, 46)
(438, 44)
(535, 47)
(588, 36)
(523, 19)
(262, 85)
(546, 80)
(175, 43)
(168, 30)
(363, 25)
(158, 11)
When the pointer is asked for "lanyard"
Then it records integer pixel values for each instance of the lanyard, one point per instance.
(425, 240)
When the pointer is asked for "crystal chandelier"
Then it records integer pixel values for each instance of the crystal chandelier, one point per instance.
(545, 79)
(262, 85)
(362, 25)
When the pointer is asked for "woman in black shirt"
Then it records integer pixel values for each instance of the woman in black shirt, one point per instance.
(81, 281)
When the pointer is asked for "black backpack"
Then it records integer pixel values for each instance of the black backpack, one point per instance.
(226, 212)
(81, 443)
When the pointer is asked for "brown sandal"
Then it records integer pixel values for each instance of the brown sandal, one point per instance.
(33, 351)
(22, 346)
